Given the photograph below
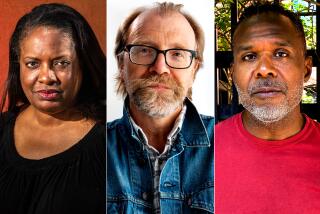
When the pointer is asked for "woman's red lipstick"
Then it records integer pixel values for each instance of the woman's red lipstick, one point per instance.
(49, 94)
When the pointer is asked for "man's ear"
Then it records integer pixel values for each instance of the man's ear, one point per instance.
(195, 69)
(120, 63)
(308, 68)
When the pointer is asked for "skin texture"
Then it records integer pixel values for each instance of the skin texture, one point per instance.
(269, 70)
(163, 32)
(50, 77)
(48, 61)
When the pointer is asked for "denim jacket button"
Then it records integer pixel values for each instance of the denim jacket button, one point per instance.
(189, 201)
(145, 196)
(168, 184)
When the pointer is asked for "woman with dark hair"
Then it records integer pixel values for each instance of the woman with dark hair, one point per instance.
(52, 147)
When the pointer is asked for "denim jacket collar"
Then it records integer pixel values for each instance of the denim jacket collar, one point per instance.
(192, 134)
(193, 129)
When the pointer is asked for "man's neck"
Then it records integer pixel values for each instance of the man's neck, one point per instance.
(288, 126)
(155, 129)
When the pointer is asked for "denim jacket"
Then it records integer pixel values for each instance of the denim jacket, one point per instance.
(186, 181)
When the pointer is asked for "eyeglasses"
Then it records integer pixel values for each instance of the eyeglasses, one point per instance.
(146, 55)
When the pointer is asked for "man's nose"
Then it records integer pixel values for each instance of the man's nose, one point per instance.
(47, 75)
(265, 68)
(160, 66)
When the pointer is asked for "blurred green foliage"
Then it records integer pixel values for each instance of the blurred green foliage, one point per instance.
(223, 20)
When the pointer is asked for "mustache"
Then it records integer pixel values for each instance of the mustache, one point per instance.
(267, 83)
(151, 80)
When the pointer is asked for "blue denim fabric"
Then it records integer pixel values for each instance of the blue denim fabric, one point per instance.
(186, 181)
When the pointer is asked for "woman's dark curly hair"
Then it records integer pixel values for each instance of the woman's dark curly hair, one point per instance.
(91, 98)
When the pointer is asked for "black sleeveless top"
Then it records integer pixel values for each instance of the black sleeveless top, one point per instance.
(73, 181)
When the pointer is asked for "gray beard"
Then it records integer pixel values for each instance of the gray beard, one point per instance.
(154, 105)
(269, 113)
(157, 105)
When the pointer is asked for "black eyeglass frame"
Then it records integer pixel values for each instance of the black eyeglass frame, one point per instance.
(164, 52)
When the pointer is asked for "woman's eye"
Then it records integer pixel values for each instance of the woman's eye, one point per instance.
(249, 57)
(61, 64)
(32, 65)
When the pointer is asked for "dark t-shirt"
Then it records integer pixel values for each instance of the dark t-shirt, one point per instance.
(70, 182)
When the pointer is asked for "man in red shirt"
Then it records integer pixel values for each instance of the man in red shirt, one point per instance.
(267, 158)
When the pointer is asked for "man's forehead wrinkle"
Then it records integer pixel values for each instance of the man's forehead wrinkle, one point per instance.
(137, 32)
(262, 31)
(265, 32)
(138, 26)
(143, 32)
(263, 35)
(243, 47)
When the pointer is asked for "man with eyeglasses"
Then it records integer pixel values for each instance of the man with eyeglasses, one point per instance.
(160, 153)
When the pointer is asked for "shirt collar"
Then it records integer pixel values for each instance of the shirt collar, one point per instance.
(193, 130)
(170, 138)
